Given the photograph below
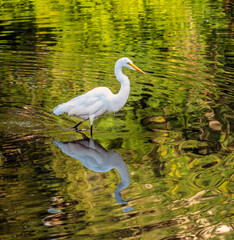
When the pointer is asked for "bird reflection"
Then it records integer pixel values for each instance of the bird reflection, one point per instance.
(93, 156)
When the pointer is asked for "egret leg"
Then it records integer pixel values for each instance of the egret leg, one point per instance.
(91, 119)
(78, 124)
(91, 130)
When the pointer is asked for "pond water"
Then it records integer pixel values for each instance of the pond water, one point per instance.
(161, 167)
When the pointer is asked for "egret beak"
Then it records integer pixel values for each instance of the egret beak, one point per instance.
(136, 68)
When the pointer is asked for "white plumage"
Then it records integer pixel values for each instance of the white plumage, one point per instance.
(100, 100)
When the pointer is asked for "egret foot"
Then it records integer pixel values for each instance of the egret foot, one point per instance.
(77, 130)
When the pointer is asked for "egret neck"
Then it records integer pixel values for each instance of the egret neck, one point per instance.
(121, 97)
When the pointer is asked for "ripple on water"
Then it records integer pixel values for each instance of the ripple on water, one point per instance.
(174, 134)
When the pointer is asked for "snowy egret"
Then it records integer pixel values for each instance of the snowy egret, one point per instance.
(100, 100)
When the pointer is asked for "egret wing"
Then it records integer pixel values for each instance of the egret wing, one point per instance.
(93, 102)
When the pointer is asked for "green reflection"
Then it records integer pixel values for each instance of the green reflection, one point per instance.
(175, 133)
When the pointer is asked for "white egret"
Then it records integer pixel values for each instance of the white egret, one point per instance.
(100, 100)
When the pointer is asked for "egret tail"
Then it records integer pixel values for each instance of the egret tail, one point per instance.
(59, 109)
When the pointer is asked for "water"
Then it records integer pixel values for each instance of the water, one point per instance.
(160, 168)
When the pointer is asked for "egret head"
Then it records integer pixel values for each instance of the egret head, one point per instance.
(126, 62)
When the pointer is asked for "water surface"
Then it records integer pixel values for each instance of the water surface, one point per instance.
(160, 168)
